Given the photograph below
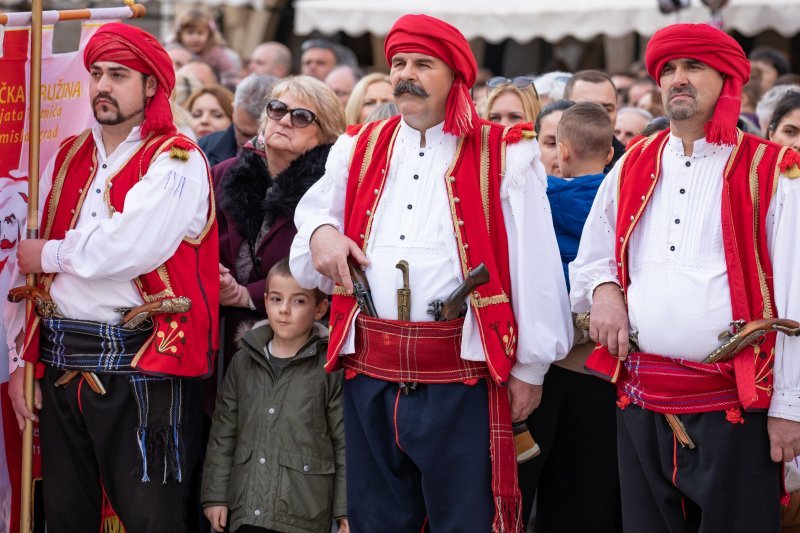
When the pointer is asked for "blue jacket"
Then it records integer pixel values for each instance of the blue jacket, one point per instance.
(570, 202)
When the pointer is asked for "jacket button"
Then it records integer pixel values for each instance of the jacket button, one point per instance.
(633, 218)
(257, 512)
(305, 468)
(369, 213)
(456, 199)
(375, 192)
(619, 264)
(362, 236)
(460, 222)
(271, 410)
(622, 239)
(262, 461)
(643, 198)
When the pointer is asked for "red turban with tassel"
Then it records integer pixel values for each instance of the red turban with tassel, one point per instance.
(138, 50)
(719, 51)
(421, 34)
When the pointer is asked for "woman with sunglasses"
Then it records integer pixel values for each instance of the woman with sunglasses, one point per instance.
(257, 196)
(512, 101)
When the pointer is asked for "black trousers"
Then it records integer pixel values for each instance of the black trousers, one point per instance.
(575, 477)
(89, 444)
(418, 460)
(727, 484)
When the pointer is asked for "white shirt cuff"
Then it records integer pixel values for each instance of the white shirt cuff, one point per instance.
(14, 360)
(599, 282)
(531, 373)
(785, 405)
(311, 225)
(51, 257)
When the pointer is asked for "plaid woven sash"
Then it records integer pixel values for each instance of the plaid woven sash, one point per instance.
(430, 352)
(102, 348)
(675, 386)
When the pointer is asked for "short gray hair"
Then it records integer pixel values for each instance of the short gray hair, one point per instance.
(766, 106)
(252, 93)
(644, 113)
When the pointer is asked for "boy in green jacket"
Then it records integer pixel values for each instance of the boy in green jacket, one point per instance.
(275, 458)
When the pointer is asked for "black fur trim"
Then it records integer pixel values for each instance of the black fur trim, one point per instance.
(244, 197)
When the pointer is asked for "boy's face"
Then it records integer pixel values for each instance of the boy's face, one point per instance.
(291, 309)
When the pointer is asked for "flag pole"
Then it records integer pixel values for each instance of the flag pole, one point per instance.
(34, 116)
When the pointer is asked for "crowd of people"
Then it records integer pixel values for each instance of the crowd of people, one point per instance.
(566, 186)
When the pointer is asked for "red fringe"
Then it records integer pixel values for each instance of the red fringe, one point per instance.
(354, 129)
(508, 515)
(718, 133)
(461, 116)
(183, 143)
(734, 415)
(514, 134)
(471, 382)
(158, 115)
(790, 159)
(623, 402)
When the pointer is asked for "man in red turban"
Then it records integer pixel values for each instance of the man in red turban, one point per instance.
(693, 233)
(127, 220)
(430, 397)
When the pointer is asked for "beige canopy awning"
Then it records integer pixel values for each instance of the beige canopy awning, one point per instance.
(552, 20)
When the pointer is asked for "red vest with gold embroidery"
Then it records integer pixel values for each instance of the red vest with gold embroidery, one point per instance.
(473, 189)
(749, 182)
(183, 344)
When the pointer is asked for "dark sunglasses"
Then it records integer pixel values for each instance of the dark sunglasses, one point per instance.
(301, 118)
(520, 82)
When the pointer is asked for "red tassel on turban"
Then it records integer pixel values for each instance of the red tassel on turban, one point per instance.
(138, 50)
(719, 51)
(421, 34)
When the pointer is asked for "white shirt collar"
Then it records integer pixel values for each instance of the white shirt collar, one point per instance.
(433, 135)
(701, 147)
(97, 132)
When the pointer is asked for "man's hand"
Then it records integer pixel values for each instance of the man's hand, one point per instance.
(784, 439)
(230, 292)
(344, 526)
(16, 392)
(609, 319)
(218, 516)
(329, 251)
(29, 255)
(524, 398)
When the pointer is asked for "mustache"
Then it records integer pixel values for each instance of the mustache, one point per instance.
(404, 87)
(688, 91)
(105, 96)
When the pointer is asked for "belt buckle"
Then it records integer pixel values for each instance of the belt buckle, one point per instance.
(408, 387)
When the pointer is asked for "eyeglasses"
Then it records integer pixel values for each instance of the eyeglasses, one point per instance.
(520, 82)
(301, 118)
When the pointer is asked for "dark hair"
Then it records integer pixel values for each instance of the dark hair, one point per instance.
(787, 79)
(281, 268)
(343, 54)
(552, 107)
(656, 125)
(588, 130)
(786, 105)
(772, 57)
(591, 76)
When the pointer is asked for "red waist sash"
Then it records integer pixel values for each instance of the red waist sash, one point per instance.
(675, 386)
(430, 352)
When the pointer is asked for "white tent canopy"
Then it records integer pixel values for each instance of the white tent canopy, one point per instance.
(552, 20)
